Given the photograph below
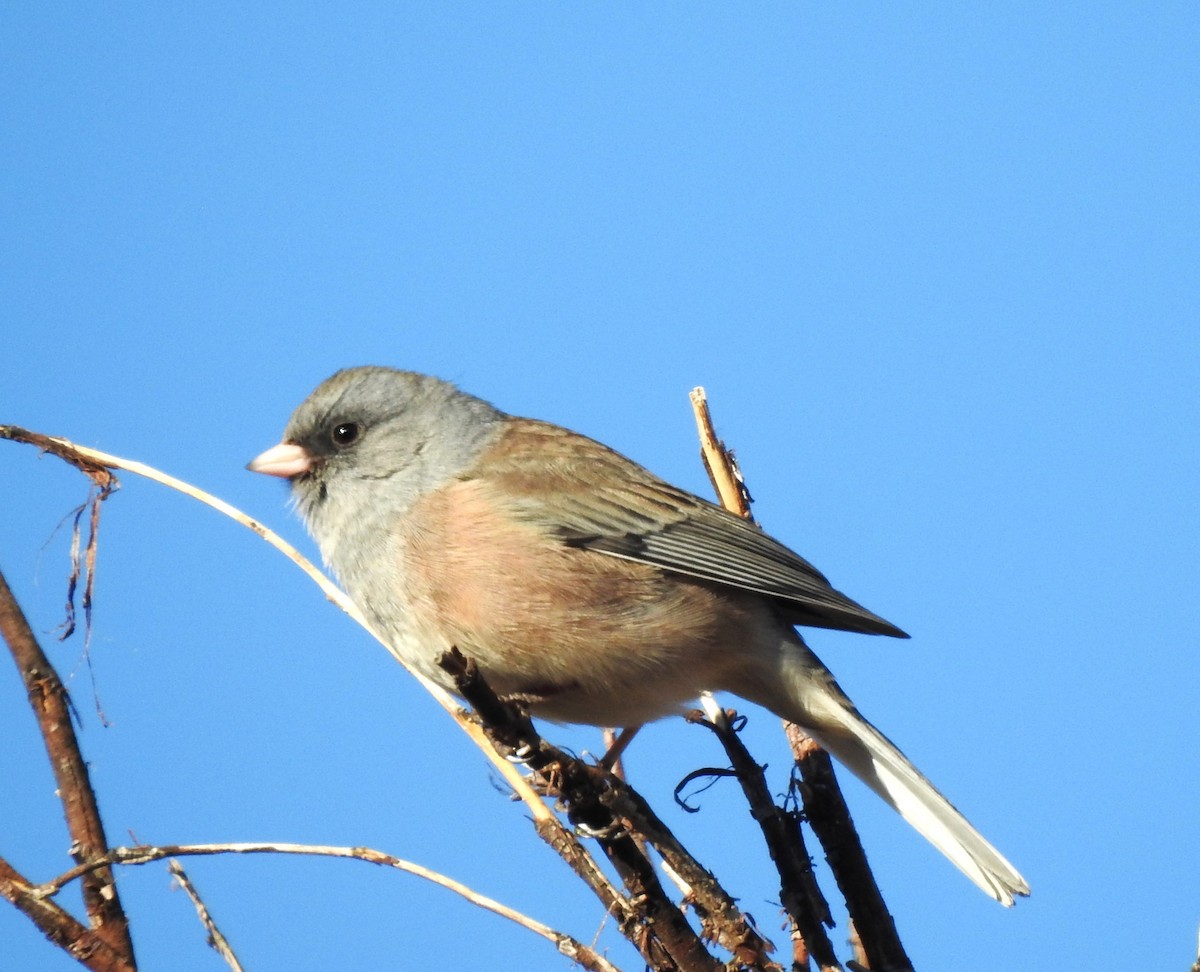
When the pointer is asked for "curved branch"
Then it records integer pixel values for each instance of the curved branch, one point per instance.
(95, 463)
(146, 854)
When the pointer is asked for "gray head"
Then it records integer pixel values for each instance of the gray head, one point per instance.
(369, 424)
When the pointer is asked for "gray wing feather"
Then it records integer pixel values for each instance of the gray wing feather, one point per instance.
(739, 555)
(690, 536)
(605, 502)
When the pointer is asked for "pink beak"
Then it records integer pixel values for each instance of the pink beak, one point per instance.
(285, 460)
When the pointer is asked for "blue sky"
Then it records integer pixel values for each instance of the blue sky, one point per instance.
(936, 266)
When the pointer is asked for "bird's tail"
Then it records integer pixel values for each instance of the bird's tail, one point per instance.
(815, 702)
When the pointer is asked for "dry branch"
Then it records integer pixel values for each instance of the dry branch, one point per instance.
(60, 927)
(798, 891)
(215, 937)
(51, 706)
(146, 854)
(606, 808)
(829, 817)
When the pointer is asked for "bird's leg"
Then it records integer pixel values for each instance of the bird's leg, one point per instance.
(620, 740)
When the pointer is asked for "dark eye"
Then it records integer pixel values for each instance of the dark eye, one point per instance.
(345, 434)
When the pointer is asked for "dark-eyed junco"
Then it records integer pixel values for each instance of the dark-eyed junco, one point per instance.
(579, 581)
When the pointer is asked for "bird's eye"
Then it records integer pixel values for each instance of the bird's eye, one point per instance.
(345, 434)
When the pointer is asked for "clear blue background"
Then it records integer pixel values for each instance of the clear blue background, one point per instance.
(936, 266)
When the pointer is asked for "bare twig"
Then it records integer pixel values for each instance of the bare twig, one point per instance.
(215, 938)
(145, 854)
(50, 704)
(798, 891)
(719, 461)
(608, 809)
(827, 814)
(645, 915)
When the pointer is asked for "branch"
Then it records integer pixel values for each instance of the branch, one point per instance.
(60, 927)
(829, 817)
(605, 807)
(798, 891)
(719, 463)
(217, 940)
(51, 706)
(145, 854)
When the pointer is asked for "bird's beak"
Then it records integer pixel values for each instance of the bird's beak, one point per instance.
(286, 460)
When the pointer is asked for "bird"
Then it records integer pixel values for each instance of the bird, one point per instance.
(582, 585)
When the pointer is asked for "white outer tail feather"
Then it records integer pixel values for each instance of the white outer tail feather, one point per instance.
(868, 754)
(831, 718)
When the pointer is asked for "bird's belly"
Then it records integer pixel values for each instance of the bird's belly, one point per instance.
(580, 635)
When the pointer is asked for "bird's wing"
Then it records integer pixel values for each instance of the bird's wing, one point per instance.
(596, 499)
